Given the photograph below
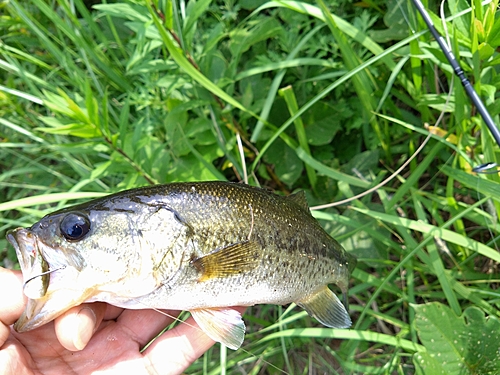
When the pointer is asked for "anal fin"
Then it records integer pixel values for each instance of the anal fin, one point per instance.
(325, 306)
(223, 325)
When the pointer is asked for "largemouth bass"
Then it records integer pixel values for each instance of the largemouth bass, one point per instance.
(184, 246)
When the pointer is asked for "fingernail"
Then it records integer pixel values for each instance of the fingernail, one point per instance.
(85, 327)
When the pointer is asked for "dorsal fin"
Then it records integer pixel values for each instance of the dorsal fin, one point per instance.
(299, 198)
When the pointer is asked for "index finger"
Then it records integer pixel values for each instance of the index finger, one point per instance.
(178, 348)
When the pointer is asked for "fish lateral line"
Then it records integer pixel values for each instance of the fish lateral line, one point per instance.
(180, 321)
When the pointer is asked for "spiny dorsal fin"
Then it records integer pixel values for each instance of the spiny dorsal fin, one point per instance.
(230, 260)
(327, 308)
(299, 198)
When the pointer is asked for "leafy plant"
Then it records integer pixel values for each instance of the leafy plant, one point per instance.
(456, 345)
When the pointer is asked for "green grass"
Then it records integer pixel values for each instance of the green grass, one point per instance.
(327, 97)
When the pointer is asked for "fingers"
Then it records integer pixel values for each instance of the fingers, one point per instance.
(177, 348)
(144, 325)
(112, 312)
(75, 327)
(12, 301)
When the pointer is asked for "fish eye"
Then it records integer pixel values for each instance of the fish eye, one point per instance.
(75, 226)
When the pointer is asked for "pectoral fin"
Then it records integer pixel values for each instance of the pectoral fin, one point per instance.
(230, 260)
(223, 325)
(327, 308)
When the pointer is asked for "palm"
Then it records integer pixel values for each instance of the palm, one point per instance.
(115, 346)
(112, 347)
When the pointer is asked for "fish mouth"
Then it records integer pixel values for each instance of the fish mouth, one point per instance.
(35, 276)
(45, 300)
(34, 267)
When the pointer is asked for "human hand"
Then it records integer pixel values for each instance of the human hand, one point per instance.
(94, 337)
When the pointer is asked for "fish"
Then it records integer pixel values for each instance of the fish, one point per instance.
(192, 246)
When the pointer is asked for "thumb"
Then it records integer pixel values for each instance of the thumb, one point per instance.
(12, 300)
(75, 327)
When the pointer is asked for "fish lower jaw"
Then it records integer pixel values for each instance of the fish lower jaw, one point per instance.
(38, 312)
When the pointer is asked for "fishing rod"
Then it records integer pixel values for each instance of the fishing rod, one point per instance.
(474, 97)
(495, 132)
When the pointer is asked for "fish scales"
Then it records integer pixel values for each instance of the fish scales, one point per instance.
(228, 218)
(187, 246)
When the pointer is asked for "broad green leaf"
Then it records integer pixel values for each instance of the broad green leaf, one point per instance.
(396, 21)
(486, 51)
(359, 241)
(192, 168)
(243, 39)
(330, 172)
(427, 363)
(323, 121)
(364, 162)
(461, 24)
(457, 345)
(493, 37)
(286, 163)
(175, 135)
